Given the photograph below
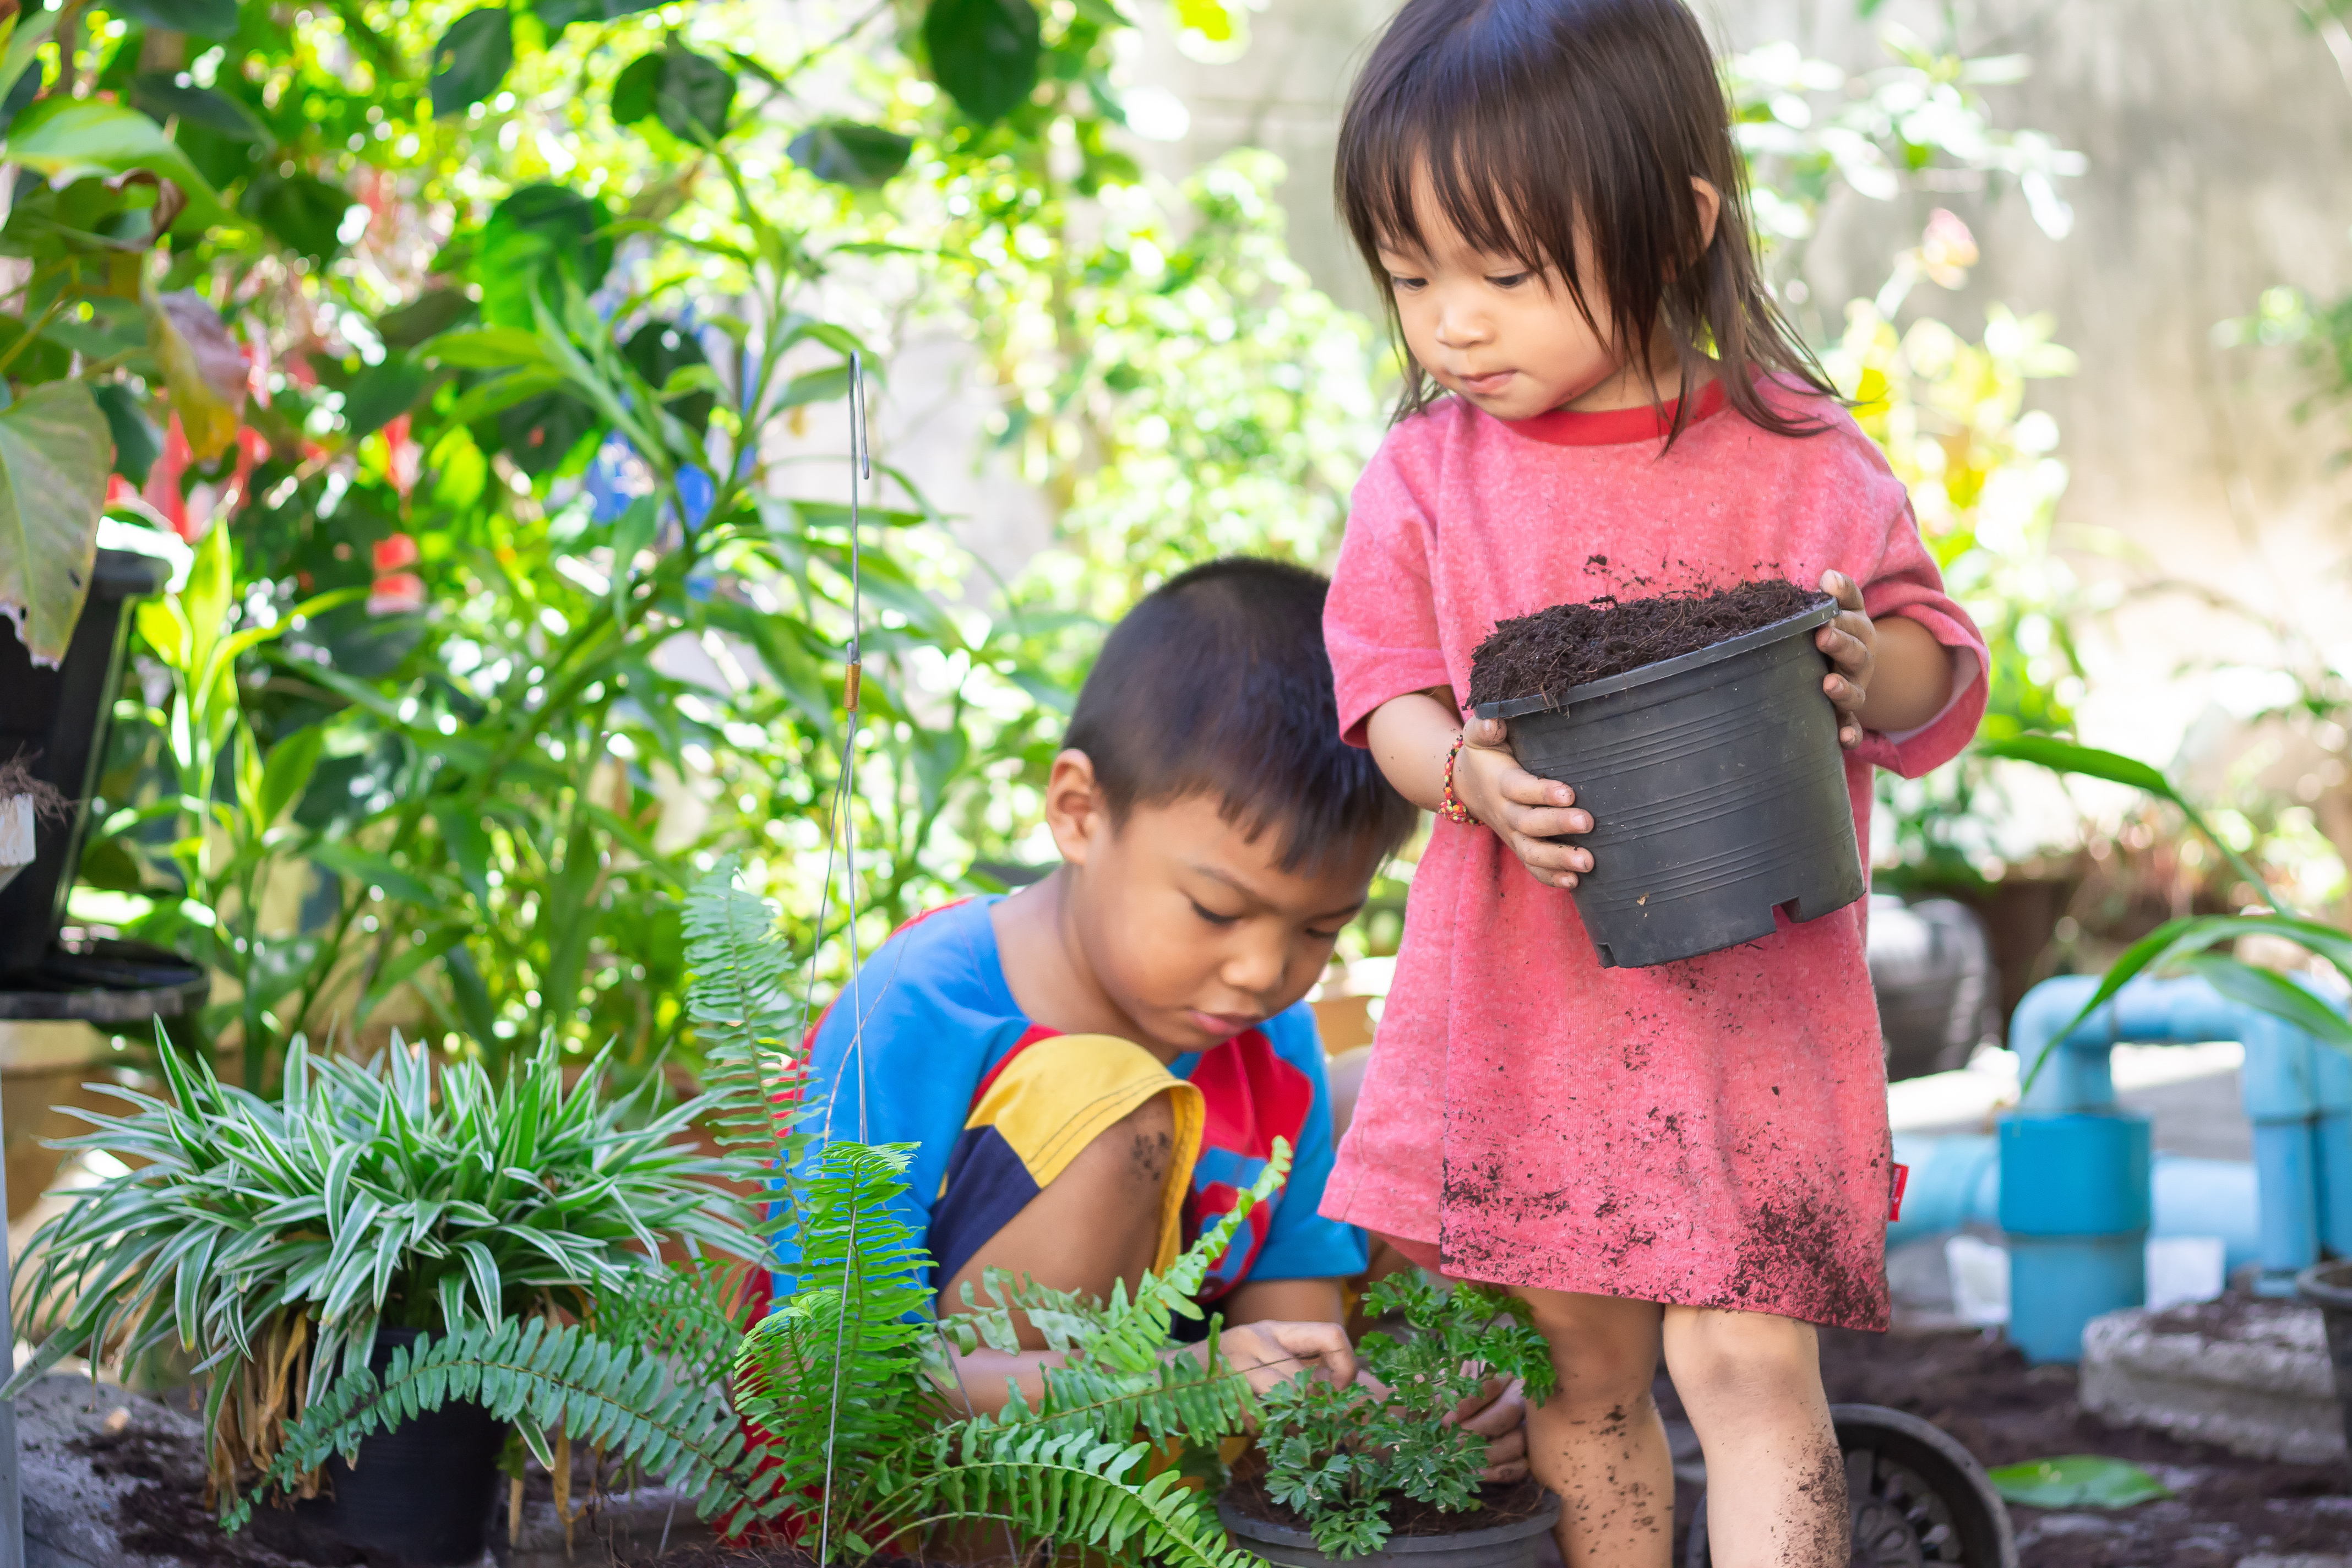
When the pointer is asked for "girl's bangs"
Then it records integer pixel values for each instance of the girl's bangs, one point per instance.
(1481, 178)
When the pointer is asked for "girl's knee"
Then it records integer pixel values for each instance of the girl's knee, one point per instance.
(1714, 1355)
(1604, 1349)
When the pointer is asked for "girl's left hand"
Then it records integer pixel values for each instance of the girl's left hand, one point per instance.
(1851, 643)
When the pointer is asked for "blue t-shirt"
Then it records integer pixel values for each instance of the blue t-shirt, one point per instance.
(939, 1018)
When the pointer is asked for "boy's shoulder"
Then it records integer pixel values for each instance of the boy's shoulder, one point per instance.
(943, 960)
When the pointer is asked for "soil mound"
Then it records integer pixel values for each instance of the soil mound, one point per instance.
(1568, 645)
(1500, 1503)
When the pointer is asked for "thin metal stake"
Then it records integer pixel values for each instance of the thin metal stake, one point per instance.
(861, 467)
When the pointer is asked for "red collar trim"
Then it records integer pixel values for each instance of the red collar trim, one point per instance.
(1614, 427)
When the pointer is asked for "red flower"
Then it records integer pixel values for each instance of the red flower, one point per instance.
(396, 594)
(394, 553)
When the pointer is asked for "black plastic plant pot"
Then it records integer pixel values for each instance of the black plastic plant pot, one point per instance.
(1917, 1499)
(1518, 1544)
(2328, 1286)
(421, 1493)
(59, 718)
(1716, 789)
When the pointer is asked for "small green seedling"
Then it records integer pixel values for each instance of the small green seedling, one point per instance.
(1338, 1456)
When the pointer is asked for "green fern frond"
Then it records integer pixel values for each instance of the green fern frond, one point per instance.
(839, 1369)
(614, 1396)
(745, 1023)
(1072, 1489)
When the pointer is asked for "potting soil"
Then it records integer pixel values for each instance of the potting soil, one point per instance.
(1547, 653)
(1499, 1504)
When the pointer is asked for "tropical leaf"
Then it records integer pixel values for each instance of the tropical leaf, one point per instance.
(203, 366)
(56, 452)
(2076, 1480)
(985, 53)
(473, 58)
(863, 157)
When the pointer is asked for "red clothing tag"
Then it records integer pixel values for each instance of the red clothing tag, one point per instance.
(1895, 1195)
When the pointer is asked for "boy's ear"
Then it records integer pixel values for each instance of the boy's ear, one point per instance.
(1076, 811)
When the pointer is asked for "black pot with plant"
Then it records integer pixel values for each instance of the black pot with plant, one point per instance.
(1916, 1497)
(1355, 1475)
(421, 1491)
(380, 1261)
(2328, 1286)
(1694, 730)
(54, 721)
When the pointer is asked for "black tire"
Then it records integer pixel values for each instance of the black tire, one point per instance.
(1920, 1500)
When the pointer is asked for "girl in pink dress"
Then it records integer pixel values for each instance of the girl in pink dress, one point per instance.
(1691, 1157)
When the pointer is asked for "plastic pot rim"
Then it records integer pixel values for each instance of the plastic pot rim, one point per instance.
(1697, 658)
(2328, 1286)
(1239, 1522)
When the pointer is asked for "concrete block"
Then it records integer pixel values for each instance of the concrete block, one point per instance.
(2253, 1378)
(81, 1447)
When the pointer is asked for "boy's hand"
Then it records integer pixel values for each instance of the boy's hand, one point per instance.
(1526, 812)
(1851, 643)
(1500, 1415)
(1270, 1353)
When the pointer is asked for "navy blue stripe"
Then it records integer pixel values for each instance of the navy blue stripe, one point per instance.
(987, 1184)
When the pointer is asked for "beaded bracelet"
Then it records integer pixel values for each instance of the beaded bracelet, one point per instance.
(1449, 804)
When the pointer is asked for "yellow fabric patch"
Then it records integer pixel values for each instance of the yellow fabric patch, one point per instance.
(1061, 1093)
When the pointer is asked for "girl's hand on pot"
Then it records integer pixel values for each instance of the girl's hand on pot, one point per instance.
(1498, 1413)
(1528, 812)
(1851, 643)
(1270, 1353)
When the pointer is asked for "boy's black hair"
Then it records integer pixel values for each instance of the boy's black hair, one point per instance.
(1217, 683)
(1536, 122)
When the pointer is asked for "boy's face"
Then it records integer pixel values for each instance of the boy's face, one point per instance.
(1191, 930)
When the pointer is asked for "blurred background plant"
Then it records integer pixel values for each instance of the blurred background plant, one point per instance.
(515, 591)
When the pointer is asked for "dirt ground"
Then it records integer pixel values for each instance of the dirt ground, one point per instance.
(2224, 1508)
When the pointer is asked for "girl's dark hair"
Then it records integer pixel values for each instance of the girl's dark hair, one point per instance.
(1217, 683)
(1535, 119)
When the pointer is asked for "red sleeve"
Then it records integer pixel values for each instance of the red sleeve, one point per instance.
(1904, 581)
(1380, 620)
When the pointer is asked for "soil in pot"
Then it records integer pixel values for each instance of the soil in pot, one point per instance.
(1508, 1529)
(1695, 731)
(1574, 645)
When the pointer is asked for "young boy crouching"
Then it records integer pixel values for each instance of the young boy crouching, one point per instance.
(1092, 1068)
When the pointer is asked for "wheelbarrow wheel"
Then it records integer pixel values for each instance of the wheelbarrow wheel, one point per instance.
(1918, 1499)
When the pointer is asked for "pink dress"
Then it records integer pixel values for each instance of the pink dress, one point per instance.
(1710, 1132)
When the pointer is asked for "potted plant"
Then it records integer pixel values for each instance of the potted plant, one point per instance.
(1377, 1473)
(836, 1409)
(302, 1251)
(54, 724)
(1694, 730)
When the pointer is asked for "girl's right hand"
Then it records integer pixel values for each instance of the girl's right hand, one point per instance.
(1528, 812)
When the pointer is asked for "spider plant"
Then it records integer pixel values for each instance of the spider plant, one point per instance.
(361, 1198)
(269, 1240)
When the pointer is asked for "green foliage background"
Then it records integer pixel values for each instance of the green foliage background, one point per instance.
(495, 386)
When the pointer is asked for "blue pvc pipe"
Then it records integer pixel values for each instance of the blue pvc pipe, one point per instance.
(2068, 1182)
(1955, 1183)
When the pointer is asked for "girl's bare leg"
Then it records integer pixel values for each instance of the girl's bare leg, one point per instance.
(1597, 1441)
(1775, 1483)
